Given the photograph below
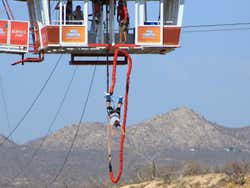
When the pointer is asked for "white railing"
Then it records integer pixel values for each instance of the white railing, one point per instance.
(67, 22)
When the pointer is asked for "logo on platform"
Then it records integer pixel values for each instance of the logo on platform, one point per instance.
(2, 32)
(73, 34)
(18, 33)
(149, 34)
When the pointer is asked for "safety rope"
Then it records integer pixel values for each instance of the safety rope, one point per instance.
(123, 126)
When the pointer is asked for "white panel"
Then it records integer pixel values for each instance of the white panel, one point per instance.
(136, 20)
(8, 34)
(37, 10)
(85, 9)
(141, 12)
(180, 15)
(111, 23)
(45, 12)
(161, 18)
(32, 14)
(64, 15)
(60, 21)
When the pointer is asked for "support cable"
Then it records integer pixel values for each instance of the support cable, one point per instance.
(10, 10)
(6, 10)
(33, 103)
(217, 25)
(216, 30)
(76, 132)
(220, 27)
(51, 125)
(5, 107)
(6, 111)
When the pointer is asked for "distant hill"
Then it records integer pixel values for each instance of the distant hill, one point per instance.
(242, 134)
(91, 136)
(184, 129)
(180, 129)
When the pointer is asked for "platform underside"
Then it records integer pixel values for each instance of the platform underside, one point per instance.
(100, 55)
(104, 50)
(103, 56)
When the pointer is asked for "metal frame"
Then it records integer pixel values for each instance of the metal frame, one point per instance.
(97, 62)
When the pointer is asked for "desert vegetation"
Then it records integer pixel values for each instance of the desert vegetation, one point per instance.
(193, 174)
(189, 174)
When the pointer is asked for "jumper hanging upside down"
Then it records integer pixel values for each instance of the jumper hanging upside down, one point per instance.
(114, 114)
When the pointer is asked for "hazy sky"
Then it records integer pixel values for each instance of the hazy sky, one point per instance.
(210, 73)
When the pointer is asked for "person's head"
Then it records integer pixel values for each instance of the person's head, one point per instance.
(120, 3)
(78, 8)
(117, 123)
(114, 119)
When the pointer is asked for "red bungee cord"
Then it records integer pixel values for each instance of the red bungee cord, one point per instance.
(123, 126)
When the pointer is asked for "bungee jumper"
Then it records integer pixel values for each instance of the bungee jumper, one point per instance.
(114, 114)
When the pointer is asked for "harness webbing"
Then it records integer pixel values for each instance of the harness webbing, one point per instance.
(123, 126)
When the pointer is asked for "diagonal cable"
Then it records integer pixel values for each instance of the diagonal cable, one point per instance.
(51, 125)
(5, 103)
(6, 10)
(32, 104)
(9, 10)
(216, 30)
(217, 25)
(76, 132)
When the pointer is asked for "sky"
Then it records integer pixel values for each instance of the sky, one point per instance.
(210, 74)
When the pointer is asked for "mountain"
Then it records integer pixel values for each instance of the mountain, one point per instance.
(242, 134)
(184, 129)
(180, 129)
(91, 136)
